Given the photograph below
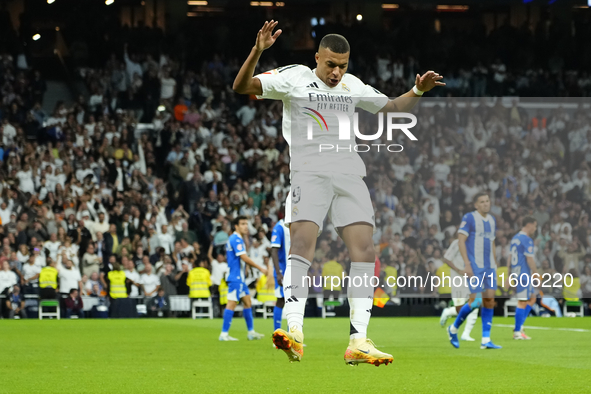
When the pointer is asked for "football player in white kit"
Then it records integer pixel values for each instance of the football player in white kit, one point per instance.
(459, 292)
(328, 183)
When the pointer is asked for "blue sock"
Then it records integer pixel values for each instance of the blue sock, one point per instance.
(519, 318)
(487, 315)
(462, 314)
(247, 313)
(527, 311)
(228, 315)
(277, 313)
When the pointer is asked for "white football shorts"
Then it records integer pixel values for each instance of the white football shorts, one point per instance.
(343, 197)
(461, 293)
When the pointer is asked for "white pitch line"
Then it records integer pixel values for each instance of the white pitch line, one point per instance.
(544, 328)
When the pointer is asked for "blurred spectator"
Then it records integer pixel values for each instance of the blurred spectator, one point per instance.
(15, 304)
(69, 278)
(74, 304)
(150, 282)
(159, 305)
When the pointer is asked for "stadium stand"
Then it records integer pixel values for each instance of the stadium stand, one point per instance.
(153, 163)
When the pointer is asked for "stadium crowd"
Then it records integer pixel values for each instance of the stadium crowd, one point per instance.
(149, 170)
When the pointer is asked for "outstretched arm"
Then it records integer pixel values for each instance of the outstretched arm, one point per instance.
(245, 83)
(408, 100)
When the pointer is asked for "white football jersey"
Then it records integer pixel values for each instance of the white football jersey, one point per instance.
(453, 254)
(309, 119)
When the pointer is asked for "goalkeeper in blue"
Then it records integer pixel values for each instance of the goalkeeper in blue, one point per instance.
(523, 266)
(476, 241)
(280, 243)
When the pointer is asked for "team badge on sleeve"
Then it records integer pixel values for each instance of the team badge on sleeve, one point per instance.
(530, 249)
(239, 247)
(463, 224)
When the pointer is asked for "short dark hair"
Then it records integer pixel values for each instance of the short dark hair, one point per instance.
(237, 220)
(336, 43)
(478, 195)
(527, 220)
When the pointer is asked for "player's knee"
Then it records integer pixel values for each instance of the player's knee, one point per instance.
(488, 302)
(364, 251)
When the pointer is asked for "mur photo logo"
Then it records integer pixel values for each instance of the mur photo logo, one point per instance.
(318, 120)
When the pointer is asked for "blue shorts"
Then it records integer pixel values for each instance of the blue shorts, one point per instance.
(482, 279)
(237, 290)
(524, 293)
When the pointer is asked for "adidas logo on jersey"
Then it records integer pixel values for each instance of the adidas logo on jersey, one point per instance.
(313, 85)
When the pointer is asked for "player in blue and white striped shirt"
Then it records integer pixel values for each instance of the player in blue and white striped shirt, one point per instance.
(524, 263)
(476, 239)
(237, 289)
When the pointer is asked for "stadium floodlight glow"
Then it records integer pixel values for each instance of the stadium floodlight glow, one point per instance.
(313, 21)
(359, 17)
(161, 108)
(109, 2)
(390, 6)
(198, 2)
(279, 4)
(322, 21)
(50, 1)
(36, 37)
(452, 8)
(589, 3)
(261, 3)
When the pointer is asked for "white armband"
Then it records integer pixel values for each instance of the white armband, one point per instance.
(417, 91)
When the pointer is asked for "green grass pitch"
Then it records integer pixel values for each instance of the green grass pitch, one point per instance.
(184, 356)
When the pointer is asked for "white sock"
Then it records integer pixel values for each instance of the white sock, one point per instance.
(451, 311)
(485, 340)
(470, 322)
(453, 329)
(295, 289)
(360, 298)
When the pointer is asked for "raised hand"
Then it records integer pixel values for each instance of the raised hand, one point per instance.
(265, 36)
(428, 81)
